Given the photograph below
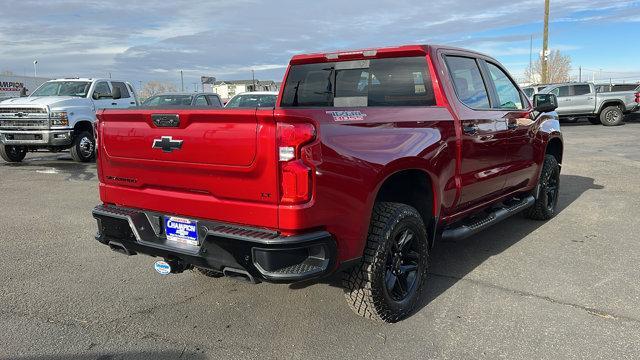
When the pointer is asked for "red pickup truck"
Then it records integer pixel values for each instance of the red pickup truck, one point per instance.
(366, 160)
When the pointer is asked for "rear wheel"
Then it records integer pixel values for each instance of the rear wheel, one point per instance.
(387, 284)
(549, 186)
(83, 148)
(611, 116)
(12, 153)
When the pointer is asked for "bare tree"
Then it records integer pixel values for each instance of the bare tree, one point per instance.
(155, 87)
(559, 68)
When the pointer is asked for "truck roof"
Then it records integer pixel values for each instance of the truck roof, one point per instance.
(374, 53)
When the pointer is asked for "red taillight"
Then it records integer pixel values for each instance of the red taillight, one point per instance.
(638, 97)
(296, 175)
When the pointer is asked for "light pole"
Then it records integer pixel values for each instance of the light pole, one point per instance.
(181, 81)
(545, 44)
(35, 68)
(253, 79)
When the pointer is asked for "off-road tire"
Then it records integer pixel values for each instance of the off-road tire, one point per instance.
(365, 285)
(209, 273)
(12, 153)
(80, 151)
(547, 201)
(594, 120)
(612, 116)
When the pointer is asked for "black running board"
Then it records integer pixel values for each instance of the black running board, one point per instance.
(476, 225)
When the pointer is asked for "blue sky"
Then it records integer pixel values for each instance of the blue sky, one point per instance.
(150, 40)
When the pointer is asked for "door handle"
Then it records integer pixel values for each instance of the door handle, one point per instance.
(471, 129)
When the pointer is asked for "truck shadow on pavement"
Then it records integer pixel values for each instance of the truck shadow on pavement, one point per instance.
(452, 261)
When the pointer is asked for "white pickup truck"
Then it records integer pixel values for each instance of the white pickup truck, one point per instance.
(577, 100)
(59, 115)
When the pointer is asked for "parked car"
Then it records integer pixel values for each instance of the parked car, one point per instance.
(367, 160)
(183, 99)
(533, 89)
(59, 115)
(582, 100)
(253, 100)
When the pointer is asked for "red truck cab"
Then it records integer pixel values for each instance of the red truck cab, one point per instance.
(367, 159)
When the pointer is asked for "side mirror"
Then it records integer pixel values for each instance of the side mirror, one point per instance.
(116, 93)
(544, 102)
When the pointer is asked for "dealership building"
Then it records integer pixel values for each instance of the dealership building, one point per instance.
(11, 85)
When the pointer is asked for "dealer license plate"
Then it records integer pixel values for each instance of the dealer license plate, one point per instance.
(181, 230)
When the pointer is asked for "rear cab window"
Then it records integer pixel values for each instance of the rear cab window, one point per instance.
(403, 81)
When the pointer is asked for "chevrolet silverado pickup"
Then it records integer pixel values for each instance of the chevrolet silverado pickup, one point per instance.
(585, 100)
(59, 115)
(366, 160)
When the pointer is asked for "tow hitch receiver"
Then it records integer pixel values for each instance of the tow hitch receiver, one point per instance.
(162, 267)
(166, 267)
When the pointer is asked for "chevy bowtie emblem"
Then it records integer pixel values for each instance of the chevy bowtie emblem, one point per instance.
(167, 144)
(21, 114)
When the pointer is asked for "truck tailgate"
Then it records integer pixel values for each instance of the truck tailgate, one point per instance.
(217, 164)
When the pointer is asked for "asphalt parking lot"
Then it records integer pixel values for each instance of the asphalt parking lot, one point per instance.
(567, 288)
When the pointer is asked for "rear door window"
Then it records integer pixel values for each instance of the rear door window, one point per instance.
(507, 91)
(124, 92)
(377, 82)
(580, 90)
(201, 101)
(562, 91)
(214, 100)
(468, 82)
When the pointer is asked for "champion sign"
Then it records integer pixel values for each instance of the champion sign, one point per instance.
(181, 230)
(11, 86)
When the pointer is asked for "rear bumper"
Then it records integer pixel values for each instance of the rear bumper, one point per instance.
(36, 138)
(264, 254)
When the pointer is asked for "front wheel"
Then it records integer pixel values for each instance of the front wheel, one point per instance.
(611, 116)
(83, 148)
(12, 153)
(549, 189)
(388, 282)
